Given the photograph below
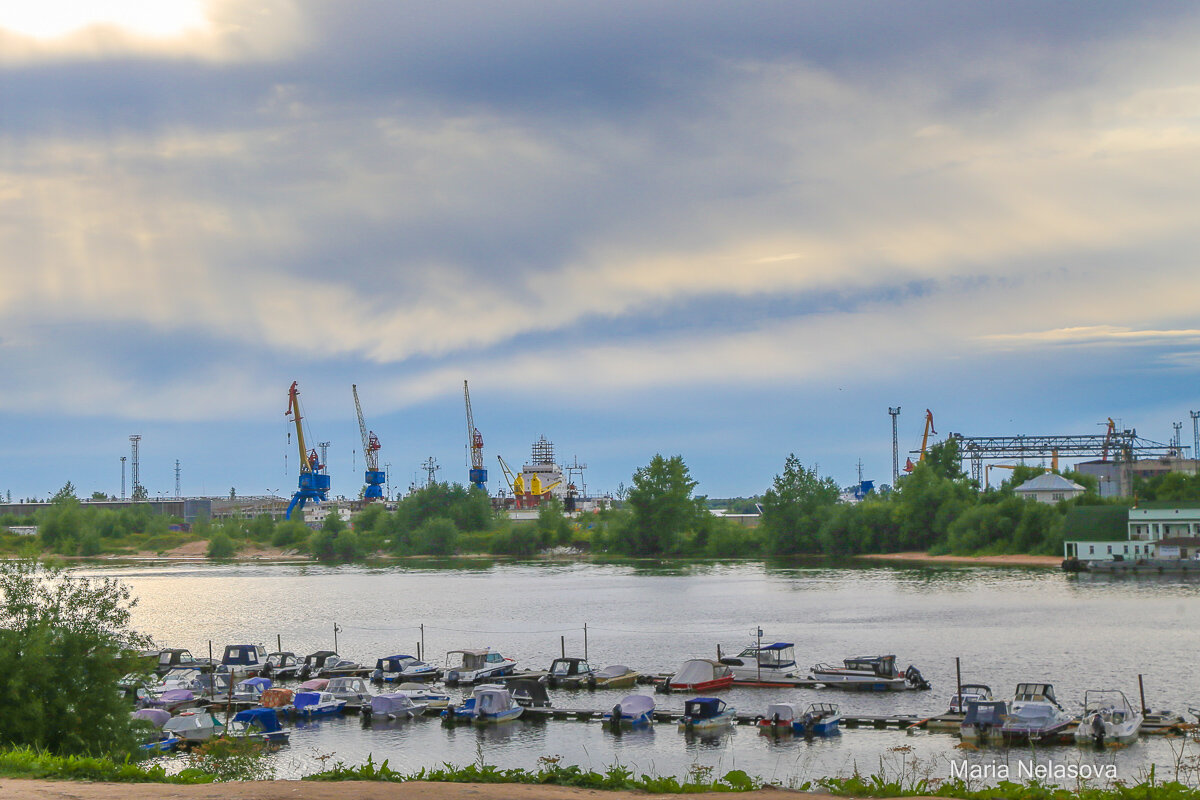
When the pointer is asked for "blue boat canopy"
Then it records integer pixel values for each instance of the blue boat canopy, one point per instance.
(265, 683)
(703, 707)
(778, 646)
(264, 718)
(241, 655)
(303, 700)
(391, 663)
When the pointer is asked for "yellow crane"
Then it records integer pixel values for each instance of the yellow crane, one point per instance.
(909, 467)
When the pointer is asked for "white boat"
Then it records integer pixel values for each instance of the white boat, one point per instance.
(396, 705)
(489, 703)
(421, 694)
(179, 678)
(983, 721)
(194, 726)
(402, 669)
(243, 660)
(765, 664)
(312, 704)
(706, 714)
(966, 693)
(1107, 718)
(1035, 714)
(634, 710)
(700, 675)
(354, 691)
(869, 673)
(250, 690)
(779, 718)
(476, 666)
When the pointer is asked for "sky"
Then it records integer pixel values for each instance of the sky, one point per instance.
(723, 230)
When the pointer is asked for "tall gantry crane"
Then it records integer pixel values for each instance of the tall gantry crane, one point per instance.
(314, 483)
(478, 474)
(374, 477)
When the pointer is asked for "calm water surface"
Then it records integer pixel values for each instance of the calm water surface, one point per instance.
(1007, 625)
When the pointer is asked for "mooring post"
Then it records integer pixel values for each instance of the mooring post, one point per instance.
(1142, 694)
(585, 655)
(278, 643)
(562, 645)
(958, 673)
(335, 633)
(421, 654)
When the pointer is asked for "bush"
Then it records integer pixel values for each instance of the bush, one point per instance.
(221, 546)
(436, 537)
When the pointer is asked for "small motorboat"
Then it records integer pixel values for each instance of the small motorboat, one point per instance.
(422, 694)
(313, 662)
(180, 678)
(175, 658)
(243, 660)
(779, 718)
(251, 690)
(402, 669)
(1107, 719)
(396, 705)
(819, 719)
(476, 666)
(194, 726)
(529, 693)
(174, 701)
(966, 693)
(354, 691)
(488, 704)
(983, 721)
(315, 685)
(337, 667)
(316, 704)
(1035, 714)
(569, 673)
(151, 721)
(616, 676)
(764, 664)
(869, 673)
(282, 666)
(700, 675)
(706, 714)
(257, 723)
(634, 710)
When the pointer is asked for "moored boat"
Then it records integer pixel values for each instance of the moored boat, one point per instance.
(614, 676)
(1035, 714)
(779, 718)
(396, 705)
(489, 703)
(569, 673)
(151, 721)
(260, 724)
(764, 664)
(966, 693)
(983, 720)
(634, 710)
(476, 666)
(281, 666)
(194, 726)
(700, 675)
(314, 704)
(424, 695)
(706, 714)
(1108, 718)
(819, 719)
(243, 660)
(354, 691)
(869, 673)
(401, 669)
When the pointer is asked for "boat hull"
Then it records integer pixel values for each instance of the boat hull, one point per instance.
(703, 687)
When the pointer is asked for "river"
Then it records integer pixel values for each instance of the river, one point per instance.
(1007, 625)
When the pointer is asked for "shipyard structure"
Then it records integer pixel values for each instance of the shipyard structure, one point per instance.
(541, 480)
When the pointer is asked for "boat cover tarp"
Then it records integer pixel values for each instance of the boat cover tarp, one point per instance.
(786, 711)
(493, 700)
(257, 684)
(698, 670)
(315, 685)
(265, 718)
(980, 712)
(176, 696)
(614, 671)
(394, 703)
(305, 699)
(155, 716)
(276, 698)
(703, 707)
(393, 663)
(634, 705)
(241, 655)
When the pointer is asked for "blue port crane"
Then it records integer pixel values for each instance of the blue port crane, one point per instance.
(374, 477)
(314, 483)
(477, 474)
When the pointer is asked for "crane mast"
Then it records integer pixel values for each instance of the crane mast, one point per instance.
(314, 483)
(478, 474)
(374, 477)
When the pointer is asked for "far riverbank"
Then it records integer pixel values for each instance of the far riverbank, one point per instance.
(994, 561)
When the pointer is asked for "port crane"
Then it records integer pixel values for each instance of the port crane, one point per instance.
(477, 474)
(374, 476)
(909, 467)
(314, 482)
(516, 484)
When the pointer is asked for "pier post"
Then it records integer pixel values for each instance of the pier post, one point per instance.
(1142, 694)
(585, 655)
(562, 645)
(958, 675)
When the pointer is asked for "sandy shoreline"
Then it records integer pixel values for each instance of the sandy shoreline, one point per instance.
(995, 561)
(21, 789)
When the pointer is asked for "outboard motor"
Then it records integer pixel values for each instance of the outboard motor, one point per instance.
(615, 722)
(1098, 730)
(914, 678)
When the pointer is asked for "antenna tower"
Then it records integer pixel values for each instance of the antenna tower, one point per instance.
(122, 477)
(135, 464)
(177, 479)
(1195, 435)
(571, 469)
(1178, 426)
(431, 467)
(324, 452)
(895, 412)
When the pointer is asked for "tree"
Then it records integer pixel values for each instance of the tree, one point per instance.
(662, 505)
(221, 546)
(793, 508)
(99, 496)
(65, 641)
(435, 537)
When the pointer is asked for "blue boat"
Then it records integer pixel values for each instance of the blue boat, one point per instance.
(313, 704)
(821, 719)
(706, 714)
(157, 740)
(257, 723)
(401, 668)
(488, 704)
(634, 711)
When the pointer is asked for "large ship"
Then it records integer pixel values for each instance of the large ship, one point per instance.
(541, 479)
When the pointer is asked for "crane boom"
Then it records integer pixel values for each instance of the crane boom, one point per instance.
(374, 477)
(314, 483)
(477, 475)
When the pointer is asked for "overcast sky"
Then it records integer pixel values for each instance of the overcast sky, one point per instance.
(724, 230)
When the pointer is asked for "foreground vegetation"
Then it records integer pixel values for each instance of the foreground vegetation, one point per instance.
(936, 508)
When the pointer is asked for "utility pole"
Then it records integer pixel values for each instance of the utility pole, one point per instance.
(895, 412)
(1178, 426)
(122, 477)
(135, 464)
(177, 479)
